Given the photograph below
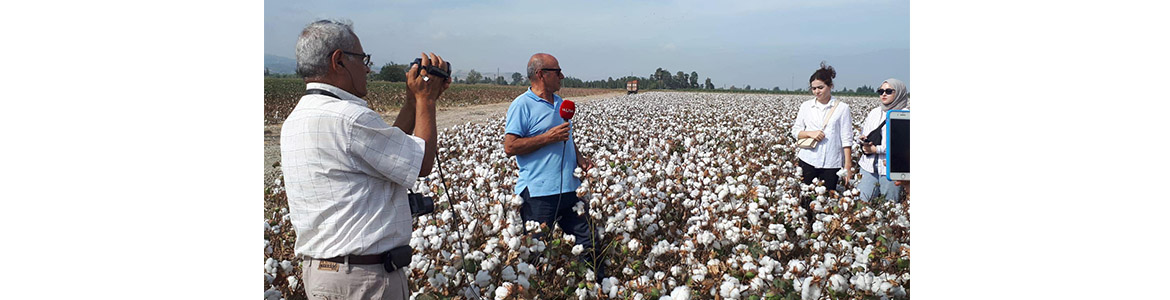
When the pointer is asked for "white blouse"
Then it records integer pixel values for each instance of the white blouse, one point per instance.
(828, 153)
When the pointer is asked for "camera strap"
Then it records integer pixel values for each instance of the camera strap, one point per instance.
(322, 93)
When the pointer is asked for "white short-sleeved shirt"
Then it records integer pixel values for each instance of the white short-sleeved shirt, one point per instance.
(346, 173)
(838, 134)
(872, 120)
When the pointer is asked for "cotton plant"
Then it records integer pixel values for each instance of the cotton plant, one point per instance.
(691, 202)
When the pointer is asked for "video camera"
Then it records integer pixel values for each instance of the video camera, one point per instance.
(443, 73)
(419, 204)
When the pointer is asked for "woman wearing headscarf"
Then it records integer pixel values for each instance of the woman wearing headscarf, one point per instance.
(874, 180)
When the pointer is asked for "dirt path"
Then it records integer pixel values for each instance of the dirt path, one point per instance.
(447, 118)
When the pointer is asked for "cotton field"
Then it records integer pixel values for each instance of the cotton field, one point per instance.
(696, 196)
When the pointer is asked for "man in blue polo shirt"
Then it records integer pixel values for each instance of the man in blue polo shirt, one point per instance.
(541, 141)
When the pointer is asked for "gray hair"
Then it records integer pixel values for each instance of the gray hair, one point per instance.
(534, 65)
(317, 43)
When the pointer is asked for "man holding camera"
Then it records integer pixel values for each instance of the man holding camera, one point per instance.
(541, 141)
(347, 172)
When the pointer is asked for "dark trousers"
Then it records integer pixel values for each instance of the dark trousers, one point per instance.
(829, 176)
(544, 209)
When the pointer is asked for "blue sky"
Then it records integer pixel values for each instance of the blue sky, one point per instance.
(761, 43)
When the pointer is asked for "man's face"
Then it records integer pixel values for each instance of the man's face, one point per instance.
(551, 76)
(356, 69)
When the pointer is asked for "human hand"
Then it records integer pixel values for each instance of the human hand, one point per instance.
(422, 86)
(818, 135)
(558, 133)
(585, 163)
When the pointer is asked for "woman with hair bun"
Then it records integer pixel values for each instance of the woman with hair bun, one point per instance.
(828, 121)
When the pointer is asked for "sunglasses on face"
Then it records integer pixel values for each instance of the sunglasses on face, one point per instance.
(885, 91)
(552, 70)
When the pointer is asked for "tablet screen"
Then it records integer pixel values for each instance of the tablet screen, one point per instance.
(900, 146)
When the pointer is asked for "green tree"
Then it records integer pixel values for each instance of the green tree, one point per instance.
(474, 77)
(392, 72)
(517, 78)
(694, 80)
(266, 72)
(500, 80)
(709, 85)
(748, 87)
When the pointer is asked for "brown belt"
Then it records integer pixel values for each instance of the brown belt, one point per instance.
(374, 259)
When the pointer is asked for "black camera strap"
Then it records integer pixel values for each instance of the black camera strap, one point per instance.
(322, 93)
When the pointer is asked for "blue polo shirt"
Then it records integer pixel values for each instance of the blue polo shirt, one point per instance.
(529, 116)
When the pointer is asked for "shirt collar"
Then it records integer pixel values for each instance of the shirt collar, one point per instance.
(817, 104)
(536, 98)
(336, 91)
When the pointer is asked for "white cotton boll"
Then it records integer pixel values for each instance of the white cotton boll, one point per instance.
(681, 293)
(590, 276)
(578, 249)
(820, 272)
(268, 278)
(508, 274)
(634, 244)
(838, 283)
(665, 297)
(483, 278)
(272, 294)
(439, 280)
(523, 281)
(531, 225)
(292, 283)
(503, 291)
(570, 239)
(580, 207)
(516, 200)
(706, 238)
(818, 226)
(270, 265)
(581, 293)
(809, 291)
(610, 285)
(862, 281)
(729, 288)
(749, 267)
(489, 264)
(514, 243)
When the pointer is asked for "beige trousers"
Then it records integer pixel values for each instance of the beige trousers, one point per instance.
(332, 281)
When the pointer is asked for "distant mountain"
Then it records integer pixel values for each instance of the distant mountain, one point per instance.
(280, 64)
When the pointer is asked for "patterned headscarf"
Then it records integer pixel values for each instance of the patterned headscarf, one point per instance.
(902, 96)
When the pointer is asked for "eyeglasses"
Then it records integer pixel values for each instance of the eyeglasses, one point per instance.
(885, 91)
(813, 88)
(551, 69)
(365, 58)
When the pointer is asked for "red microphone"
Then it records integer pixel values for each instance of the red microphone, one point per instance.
(567, 109)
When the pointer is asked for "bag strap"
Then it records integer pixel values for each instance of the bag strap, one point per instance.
(825, 123)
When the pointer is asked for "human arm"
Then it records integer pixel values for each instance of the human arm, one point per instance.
(405, 119)
(426, 94)
(798, 127)
(845, 132)
(516, 145)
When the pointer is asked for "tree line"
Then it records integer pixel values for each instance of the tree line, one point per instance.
(660, 79)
